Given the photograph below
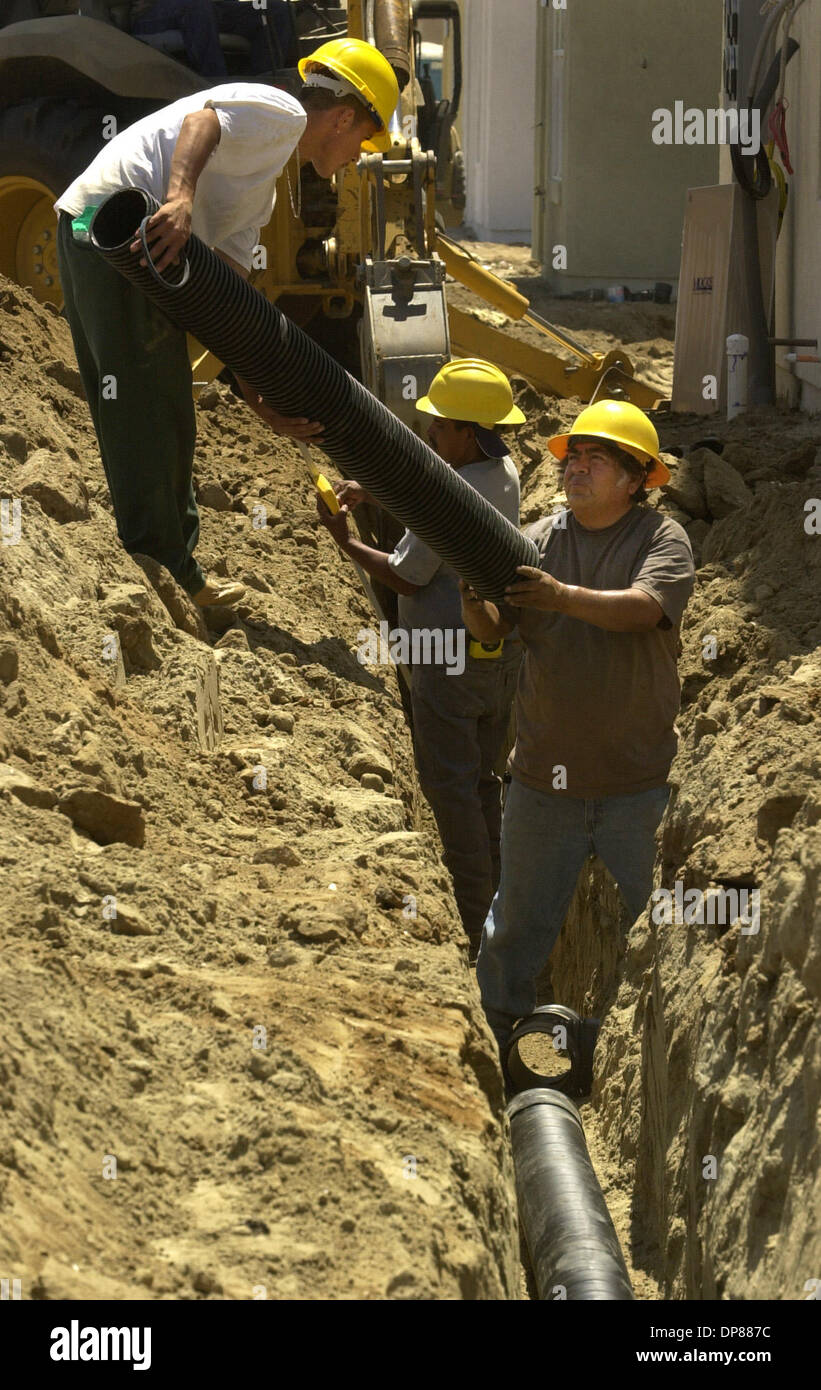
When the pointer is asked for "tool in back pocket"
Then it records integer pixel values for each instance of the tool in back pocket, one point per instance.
(81, 224)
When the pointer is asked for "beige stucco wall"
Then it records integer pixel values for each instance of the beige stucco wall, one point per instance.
(618, 202)
(496, 120)
(798, 261)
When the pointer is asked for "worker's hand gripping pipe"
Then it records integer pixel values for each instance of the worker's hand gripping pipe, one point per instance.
(295, 377)
(573, 1246)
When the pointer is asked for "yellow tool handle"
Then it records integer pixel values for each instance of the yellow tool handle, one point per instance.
(327, 493)
(321, 483)
(486, 651)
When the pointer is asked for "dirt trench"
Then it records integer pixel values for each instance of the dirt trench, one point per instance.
(291, 1070)
(703, 1122)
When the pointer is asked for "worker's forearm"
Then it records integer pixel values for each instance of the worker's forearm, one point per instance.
(375, 563)
(198, 138)
(616, 610)
(484, 622)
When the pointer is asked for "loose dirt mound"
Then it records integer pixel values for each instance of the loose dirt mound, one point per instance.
(242, 1051)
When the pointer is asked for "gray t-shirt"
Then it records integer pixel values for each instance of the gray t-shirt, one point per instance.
(602, 705)
(438, 603)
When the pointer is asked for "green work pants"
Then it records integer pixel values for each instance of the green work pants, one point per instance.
(137, 378)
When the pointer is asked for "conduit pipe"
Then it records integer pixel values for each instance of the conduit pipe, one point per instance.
(570, 1035)
(296, 377)
(574, 1250)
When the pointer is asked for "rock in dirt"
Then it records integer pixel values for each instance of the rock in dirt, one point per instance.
(136, 642)
(282, 854)
(235, 639)
(181, 608)
(404, 844)
(130, 922)
(698, 531)
(778, 812)
(798, 461)
(209, 397)
(370, 761)
(724, 487)
(24, 787)
(15, 443)
(745, 459)
(686, 487)
(55, 484)
(129, 600)
(107, 819)
(9, 662)
(218, 617)
(214, 496)
(67, 376)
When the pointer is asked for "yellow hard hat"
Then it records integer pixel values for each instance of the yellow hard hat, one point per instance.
(469, 388)
(366, 74)
(623, 424)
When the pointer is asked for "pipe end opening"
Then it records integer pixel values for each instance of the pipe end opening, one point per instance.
(117, 219)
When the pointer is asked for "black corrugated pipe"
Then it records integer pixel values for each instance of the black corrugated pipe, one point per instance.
(296, 377)
(573, 1246)
(571, 1036)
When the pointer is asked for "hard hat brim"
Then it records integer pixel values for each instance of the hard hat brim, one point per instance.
(657, 474)
(514, 416)
(378, 143)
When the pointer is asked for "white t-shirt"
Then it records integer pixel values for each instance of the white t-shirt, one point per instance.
(260, 127)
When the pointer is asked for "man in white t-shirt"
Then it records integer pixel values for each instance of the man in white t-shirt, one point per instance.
(212, 161)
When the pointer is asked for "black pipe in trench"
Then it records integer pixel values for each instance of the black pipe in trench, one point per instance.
(296, 377)
(573, 1246)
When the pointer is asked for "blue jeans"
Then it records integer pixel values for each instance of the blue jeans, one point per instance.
(196, 20)
(546, 838)
(201, 22)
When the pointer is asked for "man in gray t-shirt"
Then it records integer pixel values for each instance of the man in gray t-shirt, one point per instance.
(597, 700)
(461, 695)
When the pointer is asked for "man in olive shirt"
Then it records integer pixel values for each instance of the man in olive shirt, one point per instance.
(597, 698)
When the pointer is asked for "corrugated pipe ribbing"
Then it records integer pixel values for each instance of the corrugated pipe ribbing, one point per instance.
(296, 377)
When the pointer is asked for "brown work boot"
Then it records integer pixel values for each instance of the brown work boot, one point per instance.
(219, 592)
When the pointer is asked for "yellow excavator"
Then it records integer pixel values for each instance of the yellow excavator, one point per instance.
(363, 266)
